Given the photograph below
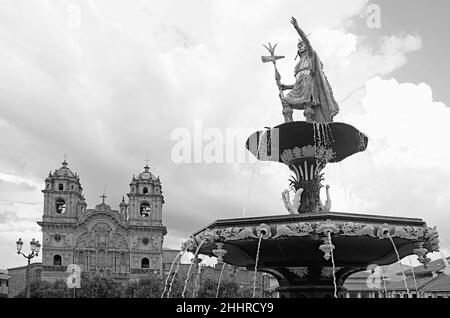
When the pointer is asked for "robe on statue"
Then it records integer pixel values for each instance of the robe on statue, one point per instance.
(312, 88)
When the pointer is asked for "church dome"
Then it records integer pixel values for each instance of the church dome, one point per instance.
(146, 174)
(103, 207)
(64, 171)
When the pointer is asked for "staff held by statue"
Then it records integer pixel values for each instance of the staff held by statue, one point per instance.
(273, 58)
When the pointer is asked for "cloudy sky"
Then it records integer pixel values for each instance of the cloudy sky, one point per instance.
(111, 82)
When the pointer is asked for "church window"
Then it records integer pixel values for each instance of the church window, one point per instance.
(145, 240)
(71, 187)
(123, 259)
(145, 209)
(101, 258)
(60, 206)
(145, 263)
(80, 258)
(61, 186)
(47, 186)
(57, 237)
(57, 261)
(145, 190)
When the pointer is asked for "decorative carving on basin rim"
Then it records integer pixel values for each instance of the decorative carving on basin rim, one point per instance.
(352, 229)
(432, 239)
(327, 227)
(428, 236)
(238, 233)
(295, 229)
(310, 151)
(298, 271)
(408, 232)
(328, 271)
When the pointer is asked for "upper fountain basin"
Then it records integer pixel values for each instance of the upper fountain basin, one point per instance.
(331, 142)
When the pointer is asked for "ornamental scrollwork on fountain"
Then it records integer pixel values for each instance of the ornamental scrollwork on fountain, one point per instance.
(421, 253)
(432, 239)
(327, 248)
(264, 231)
(384, 231)
(310, 151)
(328, 271)
(220, 252)
(289, 230)
(408, 232)
(352, 229)
(209, 235)
(238, 233)
(327, 227)
(300, 272)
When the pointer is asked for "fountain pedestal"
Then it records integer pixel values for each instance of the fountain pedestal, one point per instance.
(317, 286)
(306, 148)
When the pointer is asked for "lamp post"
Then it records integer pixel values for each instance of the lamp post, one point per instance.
(35, 247)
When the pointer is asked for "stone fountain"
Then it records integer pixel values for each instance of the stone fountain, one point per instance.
(311, 251)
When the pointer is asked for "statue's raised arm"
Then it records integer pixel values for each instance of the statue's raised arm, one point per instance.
(302, 35)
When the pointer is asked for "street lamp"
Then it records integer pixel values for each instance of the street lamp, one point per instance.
(35, 247)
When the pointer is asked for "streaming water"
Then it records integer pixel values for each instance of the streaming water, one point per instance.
(252, 177)
(220, 279)
(334, 267)
(401, 265)
(170, 272)
(176, 270)
(384, 282)
(256, 264)
(446, 265)
(314, 134)
(387, 184)
(444, 259)
(442, 241)
(324, 135)
(190, 267)
(414, 277)
(344, 183)
(174, 276)
(330, 137)
(196, 287)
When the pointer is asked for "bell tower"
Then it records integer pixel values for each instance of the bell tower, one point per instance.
(144, 221)
(63, 196)
(64, 205)
(145, 199)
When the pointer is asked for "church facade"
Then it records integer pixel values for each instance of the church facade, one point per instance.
(124, 243)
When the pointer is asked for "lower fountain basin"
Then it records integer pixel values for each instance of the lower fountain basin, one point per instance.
(295, 244)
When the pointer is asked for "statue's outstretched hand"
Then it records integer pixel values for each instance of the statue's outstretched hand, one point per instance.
(294, 22)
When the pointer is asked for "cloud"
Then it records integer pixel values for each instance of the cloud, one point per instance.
(107, 83)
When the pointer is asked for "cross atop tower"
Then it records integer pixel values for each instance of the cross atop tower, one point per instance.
(104, 196)
(65, 160)
(146, 162)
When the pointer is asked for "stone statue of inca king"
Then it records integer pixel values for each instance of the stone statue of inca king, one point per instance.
(312, 91)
